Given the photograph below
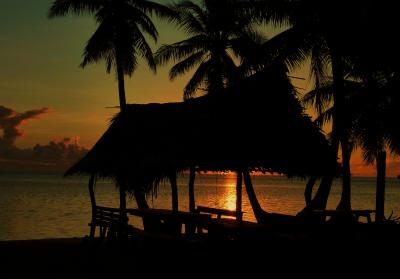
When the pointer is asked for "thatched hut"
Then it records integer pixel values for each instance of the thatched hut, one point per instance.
(257, 125)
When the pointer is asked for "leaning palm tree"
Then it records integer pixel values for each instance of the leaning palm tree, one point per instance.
(118, 40)
(218, 36)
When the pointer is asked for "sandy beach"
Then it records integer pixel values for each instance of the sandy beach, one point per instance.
(77, 258)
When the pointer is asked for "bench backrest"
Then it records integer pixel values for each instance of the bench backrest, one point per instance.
(220, 212)
(107, 215)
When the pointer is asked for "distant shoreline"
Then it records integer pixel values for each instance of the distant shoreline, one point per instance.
(61, 173)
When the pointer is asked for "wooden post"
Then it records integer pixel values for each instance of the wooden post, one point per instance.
(239, 195)
(123, 217)
(174, 188)
(192, 177)
(122, 197)
(380, 186)
(93, 203)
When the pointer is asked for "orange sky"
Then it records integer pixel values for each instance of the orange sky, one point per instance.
(39, 69)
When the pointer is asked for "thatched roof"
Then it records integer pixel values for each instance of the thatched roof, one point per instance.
(259, 125)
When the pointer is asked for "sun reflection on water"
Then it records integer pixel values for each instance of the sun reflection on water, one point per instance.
(228, 197)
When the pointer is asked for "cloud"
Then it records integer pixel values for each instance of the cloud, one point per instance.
(10, 120)
(56, 155)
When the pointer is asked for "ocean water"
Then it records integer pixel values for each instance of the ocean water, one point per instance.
(35, 206)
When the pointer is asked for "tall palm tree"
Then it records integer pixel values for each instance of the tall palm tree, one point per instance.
(375, 130)
(218, 36)
(119, 38)
(317, 26)
(370, 109)
(321, 99)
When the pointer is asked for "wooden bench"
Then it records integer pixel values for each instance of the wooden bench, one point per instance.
(109, 221)
(220, 212)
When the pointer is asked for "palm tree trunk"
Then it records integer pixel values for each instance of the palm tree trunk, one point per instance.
(192, 202)
(92, 196)
(121, 82)
(149, 224)
(345, 200)
(140, 198)
(174, 188)
(308, 190)
(239, 194)
(380, 186)
(259, 213)
(321, 197)
(122, 201)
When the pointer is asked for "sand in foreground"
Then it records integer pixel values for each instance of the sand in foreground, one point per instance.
(77, 258)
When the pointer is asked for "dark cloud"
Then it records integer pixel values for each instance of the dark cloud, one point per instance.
(56, 155)
(10, 120)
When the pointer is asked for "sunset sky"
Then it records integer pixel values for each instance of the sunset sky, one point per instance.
(40, 71)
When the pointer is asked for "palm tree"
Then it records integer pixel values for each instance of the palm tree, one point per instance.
(321, 99)
(118, 40)
(375, 131)
(370, 109)
(320, 30)
(218, 35)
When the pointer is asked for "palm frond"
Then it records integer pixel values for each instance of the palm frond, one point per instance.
(324, 118)
(139, 18)
(186, 65)
(191, 24)
(100, 46)
(320, 98)
(180, 50)
(319, 64)
(157, 9)
(77, 7)
(198, 78)
(143, 48)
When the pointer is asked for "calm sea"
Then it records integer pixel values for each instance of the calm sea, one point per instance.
(35, 206)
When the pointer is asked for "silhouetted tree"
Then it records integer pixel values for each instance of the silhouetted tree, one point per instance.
(324, 31)
(119, 37)
(219, 34)
(118, 40)
(375, 129)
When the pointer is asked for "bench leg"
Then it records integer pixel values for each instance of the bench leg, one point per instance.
(92, 231)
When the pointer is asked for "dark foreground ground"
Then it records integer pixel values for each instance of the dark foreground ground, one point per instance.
(334, 254)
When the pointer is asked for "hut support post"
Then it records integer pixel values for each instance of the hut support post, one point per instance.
(122, 202)
(93, 203)
(192, 177)
(380, 186)
(174, 188)
(239, 179)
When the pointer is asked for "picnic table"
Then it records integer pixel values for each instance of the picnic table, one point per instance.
(170, 221)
